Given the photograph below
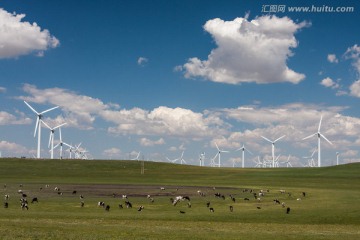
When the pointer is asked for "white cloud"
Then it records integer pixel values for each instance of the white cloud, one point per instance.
(11, 149)
(248, 51)
(112, 152)
(148, 142)
(142, 61)
(354, 54)
(21, 38)
(9, 119)
(329, 83)
(355, 89)
(332, 58)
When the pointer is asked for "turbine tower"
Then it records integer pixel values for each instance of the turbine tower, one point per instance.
(219, 155)
(38, 125)
(319, 135)
(337, 158)
(273, 148)
(51, 137)
(243, 148)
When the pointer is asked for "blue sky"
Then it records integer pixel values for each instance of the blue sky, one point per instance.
(162, 77)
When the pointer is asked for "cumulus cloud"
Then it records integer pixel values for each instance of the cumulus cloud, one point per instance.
(142, 61)
(248, 51)
(10, 119)
(355, 89)
(21, 38)
(329, 83)
(11, 149)
(149, 143)
(332, 58)
(112, 152)
(354, 54)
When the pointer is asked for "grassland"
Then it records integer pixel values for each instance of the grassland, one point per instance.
(330, 210)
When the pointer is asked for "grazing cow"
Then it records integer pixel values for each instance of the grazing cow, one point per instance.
(60, 193)
(283, 204)
(186, 198)
(182, 212)
(56, 189)
(276, 201)
(6, 204)
(298, 199)
(304, 194)
(288, 210)
(124, 196)
(107, 208)
(246, 199)
(120, 206)
(151, 200)
(162, 188)
(211, 209)
(82, 203)
(34, 200)
(258, 207)
(20, 191)
(232, 198)
(24, 204)
(282, 191)
(208, 204)
(231, 208)
(189, 204)
(24, 195)
(101, 204)
(74, 192)
(7, 197)
(128, 204)
(81, 197)
(140, 208)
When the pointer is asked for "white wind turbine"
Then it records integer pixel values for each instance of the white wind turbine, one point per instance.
(243, 148)
(38, 125)
(61, 143)
(288, 164)
(137, 156)
(310, 158)
(218, 154)
(202, 159)
(258, 162)
(337, 158)
(51, 137)
(319, 135)
(273, 148)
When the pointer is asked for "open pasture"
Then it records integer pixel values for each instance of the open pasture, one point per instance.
(329, 210)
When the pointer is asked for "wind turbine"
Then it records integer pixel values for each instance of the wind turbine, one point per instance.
(137, 157)
(288, 164)
(319, 135)
(258, 162)
(243, 154)
(219, 155)
(310, 158)
(202, 159)
(61, 143)
(273, 148)
(38, 125)
(51, 138)
(337, 158)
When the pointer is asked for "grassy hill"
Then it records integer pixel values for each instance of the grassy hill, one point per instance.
(329, 210)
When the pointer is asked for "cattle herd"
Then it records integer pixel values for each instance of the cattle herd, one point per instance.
(210, 195)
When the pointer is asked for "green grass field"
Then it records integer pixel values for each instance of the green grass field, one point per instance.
(330, 209)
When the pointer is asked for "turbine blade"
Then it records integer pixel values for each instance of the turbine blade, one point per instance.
(325, 139)
(60, 125)
(36, 125)
(32, 109)
(248, 151)
(314, 134)
(217, 147)
(320, 123)
(266, 139)
(49, 110)
(50, 137)
(60, 134)
(279, 138)
(46, 125)
(56, 145)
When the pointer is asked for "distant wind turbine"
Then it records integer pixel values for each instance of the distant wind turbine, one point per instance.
(273, 148)
(61, 144)
(243, 148)
(218, 154)
(319, 135)
(137, 157)
(38, 125)
(51, 137)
